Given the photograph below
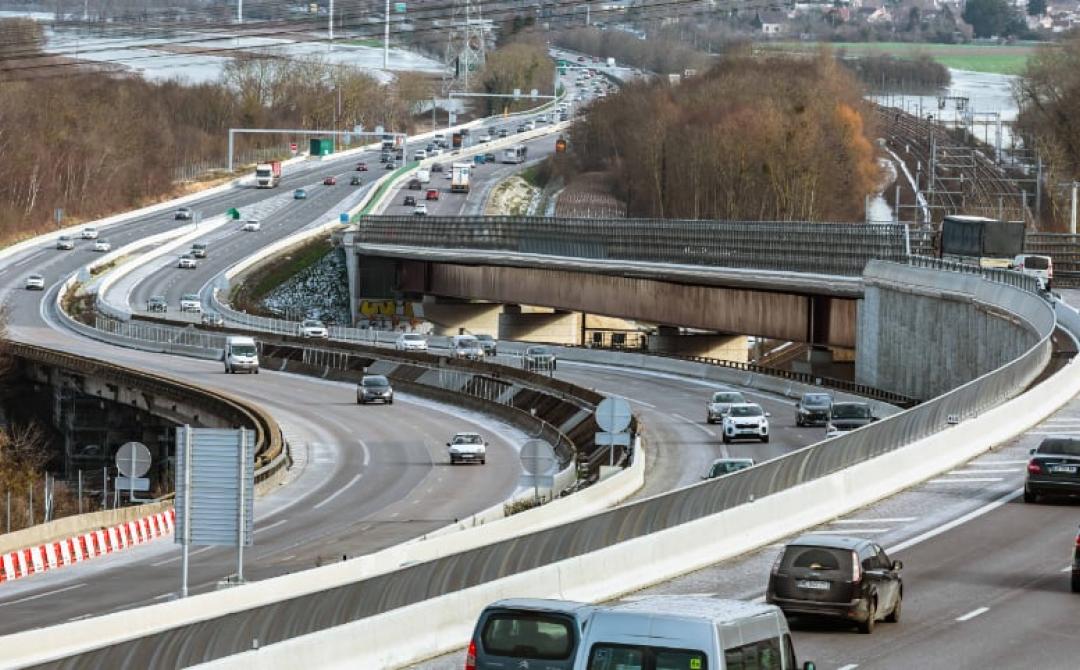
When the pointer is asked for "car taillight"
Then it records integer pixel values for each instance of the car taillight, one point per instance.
(856, 568)
(1034, 468)
(470, 656)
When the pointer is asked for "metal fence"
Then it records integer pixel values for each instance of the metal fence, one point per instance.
(998, 275)
(820, 248)
(232, 633)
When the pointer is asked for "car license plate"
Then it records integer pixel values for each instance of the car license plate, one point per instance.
(1063, 469)
(812, 584)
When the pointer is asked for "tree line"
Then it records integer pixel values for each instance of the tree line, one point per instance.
(889, 73)
(95, 143)
(657, 54)
(1048, 95)
(773, 138)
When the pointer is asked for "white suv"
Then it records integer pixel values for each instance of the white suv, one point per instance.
(467, 448)
(314, 328)
(746, 420)
(410, 342)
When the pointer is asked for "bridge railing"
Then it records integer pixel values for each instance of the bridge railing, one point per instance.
(818, 248)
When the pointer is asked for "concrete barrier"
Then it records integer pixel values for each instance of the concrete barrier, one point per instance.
(76, 524)
(632, 565)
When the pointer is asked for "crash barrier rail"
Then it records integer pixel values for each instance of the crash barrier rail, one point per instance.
(270, 446)
(300, 613)
(999, 275)
(817, 248)
(807, 378)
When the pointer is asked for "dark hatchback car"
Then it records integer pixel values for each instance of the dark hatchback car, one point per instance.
(527, 633)
(1054, 468)
(834, 577)
(813, 409)
(374, 388)
(847, 416)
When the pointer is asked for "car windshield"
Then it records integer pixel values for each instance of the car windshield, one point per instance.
(243, 350)
(312, 323)
(727, 397)
(851, 411)
(198, 245)
(745, 410)
(412, 337)
(190, 296)
(724, 467)
(485, 338)
(1064, 446)
(375, 381)
(467, 439)
(157, 299)
(466, 342)
(816, 399)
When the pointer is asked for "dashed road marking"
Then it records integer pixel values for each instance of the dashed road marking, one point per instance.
(42, 595)
(899, 519)
(846, 531)
(986, 471)
(327, 501)
(973, 613)
(849, 666)
(273, 525)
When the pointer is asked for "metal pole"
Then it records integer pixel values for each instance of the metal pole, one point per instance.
(240, 12)
(8, 511)
(331, 25)
(185, 541)
(1072, 221)
(105, 487)
(231, 134)
(240, 525)
(80, 491)
(386, 38)
(896, 202)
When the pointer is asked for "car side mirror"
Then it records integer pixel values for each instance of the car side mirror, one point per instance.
(1031, 452)
(897, 565)
(768, 414)
(448, 444)
(809, 665)
(875, 418)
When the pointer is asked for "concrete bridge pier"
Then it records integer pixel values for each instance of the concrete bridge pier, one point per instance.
(537, 324)
(450, 316)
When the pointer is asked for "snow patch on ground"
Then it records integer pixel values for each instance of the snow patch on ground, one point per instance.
(320, 291)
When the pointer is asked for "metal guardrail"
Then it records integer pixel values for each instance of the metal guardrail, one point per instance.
(818, 248)
(313, 612)
(998, 275)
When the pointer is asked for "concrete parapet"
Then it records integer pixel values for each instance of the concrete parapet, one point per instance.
(44, 533)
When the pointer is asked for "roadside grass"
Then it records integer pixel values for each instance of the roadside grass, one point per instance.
(365, 42)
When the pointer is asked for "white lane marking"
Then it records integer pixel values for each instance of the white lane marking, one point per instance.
(367, 452)
(80, 617)
(973, 613)
(974, 514)
(395, 515)
(163, 596)
(1046, 432)
(849, 666)
(657, 596)
(286, 558)
(898, 519)
(1067, 568)
(845, 531)
(983, 464)
(642, 403)
(273, 525)
(42, 595)
(966, 480)
(985, 471)
(178, 557)
(338, 492)
(695, 424)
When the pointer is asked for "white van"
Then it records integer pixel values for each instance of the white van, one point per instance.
(687, 632)
(466, 346)
(1039, 267)
(241, 354)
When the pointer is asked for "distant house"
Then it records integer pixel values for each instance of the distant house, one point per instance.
(879, 16)
(772, 23)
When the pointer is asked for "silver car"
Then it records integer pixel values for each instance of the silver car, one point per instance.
(35, 282)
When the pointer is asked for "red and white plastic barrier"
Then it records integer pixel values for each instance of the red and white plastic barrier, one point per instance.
(84, 546)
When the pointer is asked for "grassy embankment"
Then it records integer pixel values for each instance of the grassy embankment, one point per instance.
(972, 57)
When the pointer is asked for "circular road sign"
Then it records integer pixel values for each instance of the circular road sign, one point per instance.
(537, 457)
(133, 459)
(613, 415)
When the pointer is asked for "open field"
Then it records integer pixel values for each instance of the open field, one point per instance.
(973, 57)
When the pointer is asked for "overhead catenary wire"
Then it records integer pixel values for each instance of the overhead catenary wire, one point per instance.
(203, 37)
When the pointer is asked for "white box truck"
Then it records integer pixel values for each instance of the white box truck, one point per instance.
(424, 176)
(459, 178)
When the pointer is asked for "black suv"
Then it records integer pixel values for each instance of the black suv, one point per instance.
(837, 577)
(813, 409)
(410, 201)
(1054, 468)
